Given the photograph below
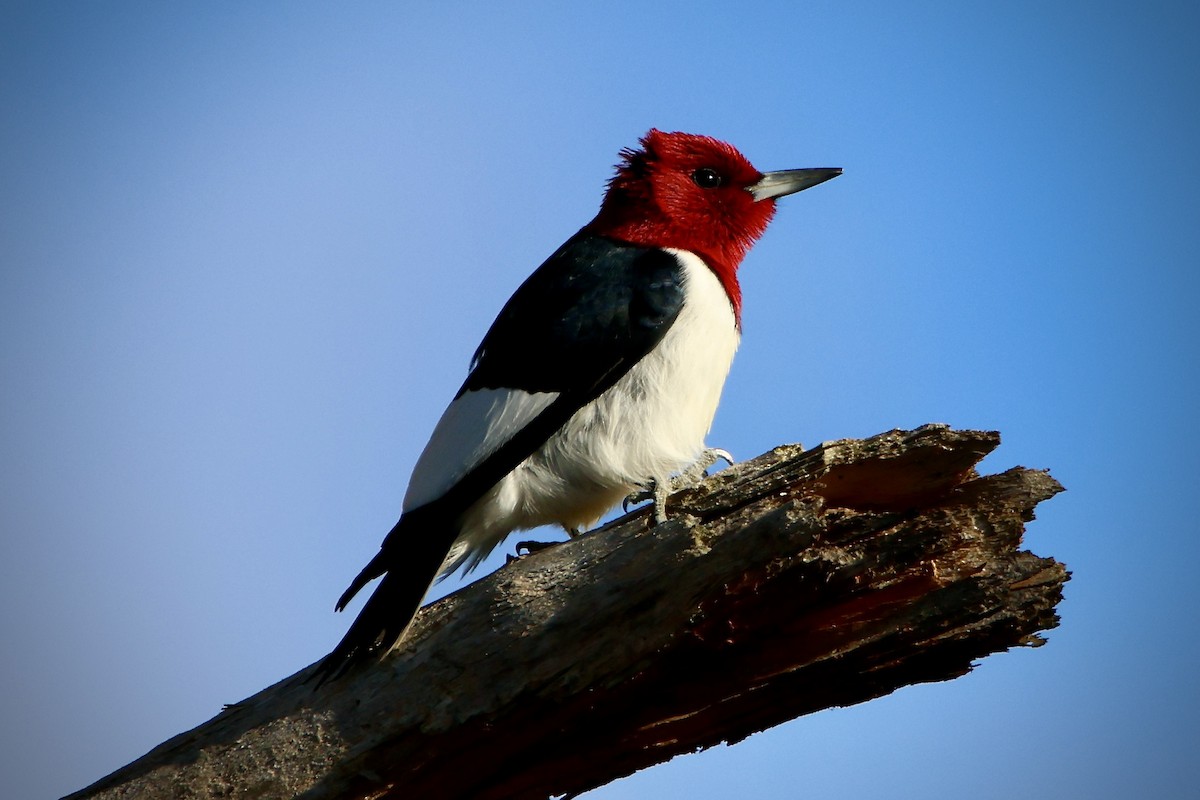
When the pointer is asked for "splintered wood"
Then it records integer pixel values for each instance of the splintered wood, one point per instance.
(801, 580)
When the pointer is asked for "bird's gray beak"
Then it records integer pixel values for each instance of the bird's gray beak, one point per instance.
(790, 181)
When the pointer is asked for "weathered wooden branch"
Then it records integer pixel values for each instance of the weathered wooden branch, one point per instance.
(791, 583)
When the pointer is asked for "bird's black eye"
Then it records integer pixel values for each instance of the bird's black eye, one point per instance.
(707, 178)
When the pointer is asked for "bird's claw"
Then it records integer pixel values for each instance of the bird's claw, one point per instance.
(648, 491)
(532, 547)
(698, 471)
(659, 489)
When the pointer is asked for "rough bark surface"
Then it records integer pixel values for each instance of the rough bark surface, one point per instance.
(798, 581)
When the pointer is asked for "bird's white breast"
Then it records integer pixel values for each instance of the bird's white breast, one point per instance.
(648, 425)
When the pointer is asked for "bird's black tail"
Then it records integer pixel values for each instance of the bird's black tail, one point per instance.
(408, 560)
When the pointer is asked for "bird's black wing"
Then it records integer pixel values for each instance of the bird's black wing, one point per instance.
(573, 328)
(593, 308)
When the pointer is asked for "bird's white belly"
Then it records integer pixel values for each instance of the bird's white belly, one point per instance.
(650, 424)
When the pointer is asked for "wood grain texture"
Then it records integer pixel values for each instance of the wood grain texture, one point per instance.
(801, 580)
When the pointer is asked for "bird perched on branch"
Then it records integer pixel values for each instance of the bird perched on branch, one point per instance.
(600, 376)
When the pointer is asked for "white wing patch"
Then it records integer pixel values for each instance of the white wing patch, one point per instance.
(472, 428)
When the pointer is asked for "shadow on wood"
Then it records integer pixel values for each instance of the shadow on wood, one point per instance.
(798, 581)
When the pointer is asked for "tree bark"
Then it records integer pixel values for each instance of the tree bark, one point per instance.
(798, 581)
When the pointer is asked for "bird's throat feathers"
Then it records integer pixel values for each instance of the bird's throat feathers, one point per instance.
(687, 192)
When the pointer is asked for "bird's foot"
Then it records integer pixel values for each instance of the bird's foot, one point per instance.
(654, 489)
(659, 489)
(698, 471)
(532, 547)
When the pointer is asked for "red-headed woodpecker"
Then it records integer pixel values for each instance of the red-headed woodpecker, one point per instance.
(600, 375)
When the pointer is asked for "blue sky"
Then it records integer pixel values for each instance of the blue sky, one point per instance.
(246, 251)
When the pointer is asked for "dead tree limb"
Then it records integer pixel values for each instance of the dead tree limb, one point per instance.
(791, 583)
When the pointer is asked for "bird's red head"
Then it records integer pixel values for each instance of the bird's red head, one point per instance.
(694, 193)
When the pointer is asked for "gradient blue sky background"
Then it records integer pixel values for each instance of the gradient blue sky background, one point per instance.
(246, 251)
